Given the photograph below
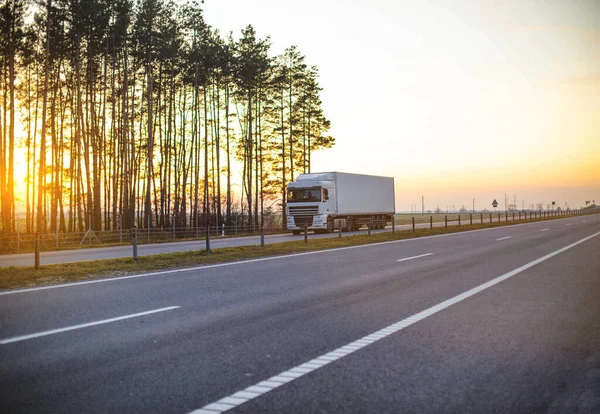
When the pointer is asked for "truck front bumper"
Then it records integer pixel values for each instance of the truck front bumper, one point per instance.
(318, 222)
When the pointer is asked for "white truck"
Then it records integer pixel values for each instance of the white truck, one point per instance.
(335, 200)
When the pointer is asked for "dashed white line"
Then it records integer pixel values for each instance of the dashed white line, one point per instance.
(503, 238)
(544, 229)
(414, 257)
(568, 224)
(240, 397)
(83, 325)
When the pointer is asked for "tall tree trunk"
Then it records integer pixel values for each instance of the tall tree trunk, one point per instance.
(228, 207)
(249, 146)
(149, 102)
(283, 186)
(11, 133)
(42, 167)
(206, 200)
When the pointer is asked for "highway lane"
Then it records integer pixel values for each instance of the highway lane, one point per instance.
(240, 324)
(115, 252)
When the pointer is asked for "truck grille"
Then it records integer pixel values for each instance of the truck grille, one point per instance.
(303, 210)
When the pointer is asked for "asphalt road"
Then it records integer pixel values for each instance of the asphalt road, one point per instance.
(116, 252)
(497, 320)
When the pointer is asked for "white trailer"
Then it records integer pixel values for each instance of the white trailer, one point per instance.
(324, 201)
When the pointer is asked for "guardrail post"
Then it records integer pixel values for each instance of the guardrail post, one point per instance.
(446, 220)
(471, 218)
(481, 217)
(305, 233)
(490, 217)
(262, 234)
(339, 229)
(207, 239)
(369, 224)
(393, 223)
(413, 223)
(134, 242)
(430, 222)
(459, 220)
(498, 217)
(37, 252)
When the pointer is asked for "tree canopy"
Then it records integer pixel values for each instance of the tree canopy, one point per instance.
(139, 112)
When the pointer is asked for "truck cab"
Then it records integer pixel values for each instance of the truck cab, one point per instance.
(310, 201)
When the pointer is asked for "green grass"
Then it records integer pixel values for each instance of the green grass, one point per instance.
(27, 276)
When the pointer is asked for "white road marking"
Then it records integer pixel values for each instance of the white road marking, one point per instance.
(544, 229)
(503, 238)
(414, 257)
(584, 221)
(83, 325)
(241, 262)
(240, 397)
(568, 224)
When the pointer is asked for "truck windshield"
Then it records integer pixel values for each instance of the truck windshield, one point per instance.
(302, 195)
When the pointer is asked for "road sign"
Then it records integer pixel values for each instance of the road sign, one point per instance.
(494, 203)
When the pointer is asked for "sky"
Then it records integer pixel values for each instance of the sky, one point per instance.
(457, 100)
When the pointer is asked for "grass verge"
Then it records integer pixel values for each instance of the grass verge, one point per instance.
(27, 276)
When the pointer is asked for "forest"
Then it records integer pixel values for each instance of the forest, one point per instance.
(139, 113)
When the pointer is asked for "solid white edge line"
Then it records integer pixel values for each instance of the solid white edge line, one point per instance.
(219, 406)
(503, 238)
(544, 229)
(414, 257)
(83, 325)
(262, 259)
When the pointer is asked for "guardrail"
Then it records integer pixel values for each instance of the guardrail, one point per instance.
(27, 243)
